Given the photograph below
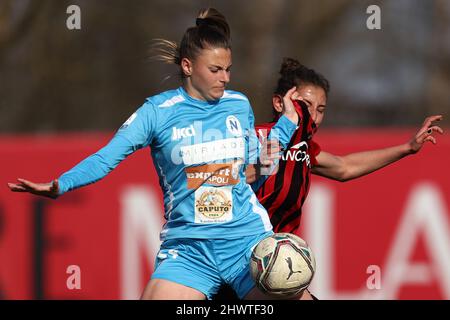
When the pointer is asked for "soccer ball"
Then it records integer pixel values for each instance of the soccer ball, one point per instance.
(282, 265)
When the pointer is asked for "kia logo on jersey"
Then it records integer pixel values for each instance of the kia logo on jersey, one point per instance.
(183, 132)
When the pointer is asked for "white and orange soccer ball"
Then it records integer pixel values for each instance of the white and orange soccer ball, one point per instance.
(282, 265)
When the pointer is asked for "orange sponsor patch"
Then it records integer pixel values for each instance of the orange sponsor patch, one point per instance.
(221, 174)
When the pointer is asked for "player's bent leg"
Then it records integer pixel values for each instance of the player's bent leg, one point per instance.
(240, 278)
(183, 271)
(161, 289)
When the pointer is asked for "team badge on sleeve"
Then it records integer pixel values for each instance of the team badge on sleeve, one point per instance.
(129, 121)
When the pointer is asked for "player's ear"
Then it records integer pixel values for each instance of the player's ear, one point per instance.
(186, 66)
(277, 103)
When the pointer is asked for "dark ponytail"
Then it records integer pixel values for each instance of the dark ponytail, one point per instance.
(211, 31)
(293, 73)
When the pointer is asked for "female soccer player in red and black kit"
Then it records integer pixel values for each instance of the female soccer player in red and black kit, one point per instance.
(284, 192)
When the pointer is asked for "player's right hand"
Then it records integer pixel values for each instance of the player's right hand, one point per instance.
(50, 190)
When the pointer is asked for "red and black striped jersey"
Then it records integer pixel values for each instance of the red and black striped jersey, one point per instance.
(283, 193)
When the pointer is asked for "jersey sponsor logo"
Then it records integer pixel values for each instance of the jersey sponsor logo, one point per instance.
(233, 148)
(298, 153)
(183, 132)
(129, 121)
(233, 125)
(214, 174)
(213, 205)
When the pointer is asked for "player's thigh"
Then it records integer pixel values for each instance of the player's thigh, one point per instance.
(256, 294)
(161, 289)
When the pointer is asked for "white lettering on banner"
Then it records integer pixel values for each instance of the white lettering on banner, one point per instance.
(425, 216)
(318, 217)
(141, 221)
(212, 151)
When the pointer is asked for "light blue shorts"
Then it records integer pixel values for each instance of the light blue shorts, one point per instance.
(205, 264)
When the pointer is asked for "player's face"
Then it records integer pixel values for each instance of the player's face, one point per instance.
(209, 73)
(316, 100)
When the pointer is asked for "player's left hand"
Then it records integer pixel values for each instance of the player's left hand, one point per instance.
(425, 133)
(288, 106)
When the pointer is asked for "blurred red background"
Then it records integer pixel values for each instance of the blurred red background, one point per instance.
(396, 220)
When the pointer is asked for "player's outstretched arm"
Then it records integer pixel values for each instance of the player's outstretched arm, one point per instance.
(49, 190)
(135, 134)
(354, 165)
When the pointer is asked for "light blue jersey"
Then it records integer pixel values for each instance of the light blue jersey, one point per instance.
(200, 150)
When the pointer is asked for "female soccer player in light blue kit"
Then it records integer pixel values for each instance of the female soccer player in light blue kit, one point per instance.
(201, 140)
